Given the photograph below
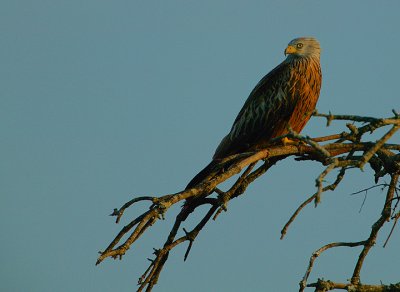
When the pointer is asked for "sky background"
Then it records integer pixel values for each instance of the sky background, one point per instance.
(101, 101)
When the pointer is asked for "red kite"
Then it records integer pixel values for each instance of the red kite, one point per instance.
(285, 98)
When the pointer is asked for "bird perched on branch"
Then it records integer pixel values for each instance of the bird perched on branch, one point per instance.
(285, 98)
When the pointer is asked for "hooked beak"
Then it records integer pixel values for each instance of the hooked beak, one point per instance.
(290, 50)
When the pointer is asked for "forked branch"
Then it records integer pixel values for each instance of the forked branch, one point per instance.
(343, 151)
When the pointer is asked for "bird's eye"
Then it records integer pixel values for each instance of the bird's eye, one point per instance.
(299, 45)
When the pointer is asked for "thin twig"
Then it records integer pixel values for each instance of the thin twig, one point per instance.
(367, 156)
(396, 218)
(330, 187)
(119, 212)
(385, 215)
(318, 252)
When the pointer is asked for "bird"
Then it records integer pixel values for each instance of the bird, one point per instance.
(283, 99)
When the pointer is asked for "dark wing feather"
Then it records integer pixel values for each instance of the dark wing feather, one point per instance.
(261, 111)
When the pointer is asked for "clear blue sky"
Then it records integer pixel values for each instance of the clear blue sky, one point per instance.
(104, 100)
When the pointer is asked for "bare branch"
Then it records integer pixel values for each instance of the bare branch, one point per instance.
(326, 285)
(349, 149)
(317, 253)
(385, 216)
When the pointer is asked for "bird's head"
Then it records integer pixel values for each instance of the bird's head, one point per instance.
(303, 47)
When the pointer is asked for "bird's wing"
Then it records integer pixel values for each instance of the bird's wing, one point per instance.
(266, 111)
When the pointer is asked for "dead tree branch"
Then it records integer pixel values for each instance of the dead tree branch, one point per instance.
(345, 150)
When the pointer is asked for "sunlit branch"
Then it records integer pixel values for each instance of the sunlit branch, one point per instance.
(349, 149)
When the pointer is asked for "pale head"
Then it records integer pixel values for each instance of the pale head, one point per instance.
(303, 47)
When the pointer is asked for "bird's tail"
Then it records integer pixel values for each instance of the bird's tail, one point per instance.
(207, 173)
(217, 166)
(210, 169)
